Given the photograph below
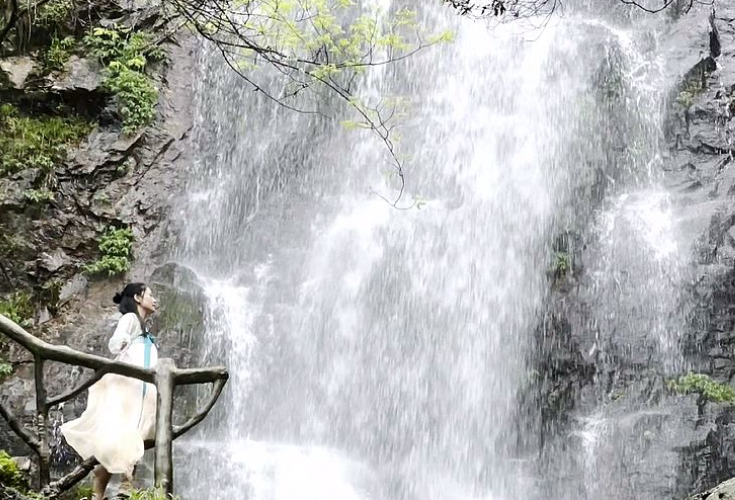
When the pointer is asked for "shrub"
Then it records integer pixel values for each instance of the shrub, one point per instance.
(53, 14)
(115, 246)
(18, 308)
(38, 196)
(705, 386)
(126, 54)
(10, 475)
(561, 264)
(57, 54)
(136, 96)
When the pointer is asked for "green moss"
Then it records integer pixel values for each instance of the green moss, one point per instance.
(116, 248)
(126, 54)
(37, 141)
(703, 385)
(10, 475)
(18, 308)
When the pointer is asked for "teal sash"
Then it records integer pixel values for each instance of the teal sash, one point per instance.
(148, 342)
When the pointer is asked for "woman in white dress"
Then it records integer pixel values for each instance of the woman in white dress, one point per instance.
(121, 411)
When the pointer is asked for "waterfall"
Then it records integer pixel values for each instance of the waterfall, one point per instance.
(380, 354)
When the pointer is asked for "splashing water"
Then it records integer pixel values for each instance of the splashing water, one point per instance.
(379, 354)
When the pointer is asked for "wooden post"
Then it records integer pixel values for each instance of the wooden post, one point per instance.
(44, 469)
(164, 476)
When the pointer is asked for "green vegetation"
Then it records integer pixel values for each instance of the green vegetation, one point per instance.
(10, 476)
(690, 89)
(5, 369)
(705, 386)
(116, 248)
(561, 264)
(52, 14)
(126, 53)
(36, 142)
(18, 308)
(57, 54)
(151, 494)
(39, 196)
(82, 491)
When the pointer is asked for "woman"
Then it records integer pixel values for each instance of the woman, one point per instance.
(121, 411)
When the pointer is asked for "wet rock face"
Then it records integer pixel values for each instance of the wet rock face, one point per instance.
(688, 441)
(108, 179)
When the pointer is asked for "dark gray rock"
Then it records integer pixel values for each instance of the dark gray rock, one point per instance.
(79, 74)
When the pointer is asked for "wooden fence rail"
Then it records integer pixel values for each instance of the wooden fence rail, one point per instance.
(165, 376)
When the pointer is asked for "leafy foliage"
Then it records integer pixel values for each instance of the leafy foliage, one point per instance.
(126, 54)
(36, 142)
(39, 196)
(5, 369)
(704, 385)
(18, 308)
(10, 475)
(136, 95)
(58, 53)
(316, 45)
(561, 264)
(151, 494)
(115, 246)
(53, 13)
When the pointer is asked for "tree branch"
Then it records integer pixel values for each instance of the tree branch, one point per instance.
(67, 355)
(203, 412)
(75, 392)
(27, 436)
(82, 470)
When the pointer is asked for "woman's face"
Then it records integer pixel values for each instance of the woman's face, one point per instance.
(147, 302)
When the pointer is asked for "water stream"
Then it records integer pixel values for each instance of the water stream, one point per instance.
(379, 354)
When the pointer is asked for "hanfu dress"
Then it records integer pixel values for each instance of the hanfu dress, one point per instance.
(121, 411)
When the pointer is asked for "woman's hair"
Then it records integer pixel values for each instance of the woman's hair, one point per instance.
(125, 300)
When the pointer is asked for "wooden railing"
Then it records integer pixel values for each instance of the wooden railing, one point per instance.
(165, 376)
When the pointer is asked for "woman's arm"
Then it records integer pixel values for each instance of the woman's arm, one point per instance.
(123, 335)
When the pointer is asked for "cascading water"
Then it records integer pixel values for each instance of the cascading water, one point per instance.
(625, 430)
(378, 353)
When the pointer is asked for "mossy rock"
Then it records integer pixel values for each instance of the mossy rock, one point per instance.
(183, 304)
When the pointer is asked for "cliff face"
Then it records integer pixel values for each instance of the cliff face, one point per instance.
(667, 444)
(116, 169)
(78, 168)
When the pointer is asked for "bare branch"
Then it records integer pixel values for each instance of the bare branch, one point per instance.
(27, 436)
(75, 392)
(67, 355)
(203, 412)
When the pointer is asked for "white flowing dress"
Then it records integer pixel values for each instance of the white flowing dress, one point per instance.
(121, 411)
